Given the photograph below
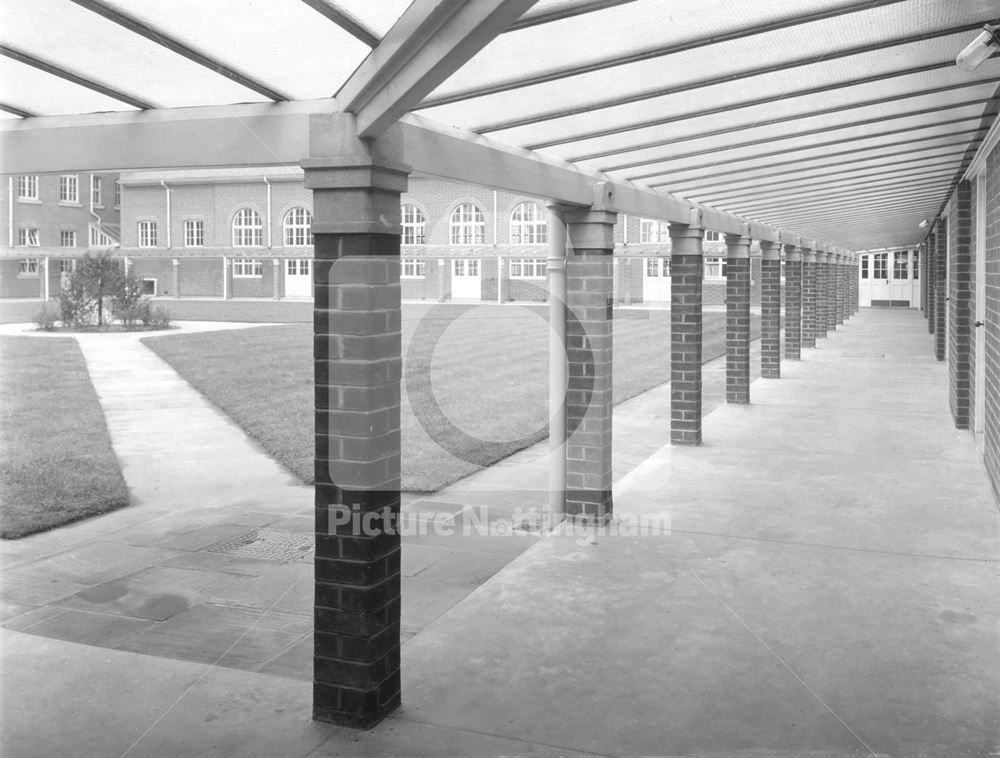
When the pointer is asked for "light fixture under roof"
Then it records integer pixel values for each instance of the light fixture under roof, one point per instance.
(981, 48)
(923, 224)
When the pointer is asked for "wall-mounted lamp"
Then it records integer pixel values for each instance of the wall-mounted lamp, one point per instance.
(923, 224)
(981, 48)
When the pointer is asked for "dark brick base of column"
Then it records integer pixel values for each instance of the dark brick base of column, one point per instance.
(770, 319)
(808, 304)
(793, 310)
(686, 276)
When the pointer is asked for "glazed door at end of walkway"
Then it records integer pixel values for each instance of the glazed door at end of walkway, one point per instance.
(890, 280)
(656, 280)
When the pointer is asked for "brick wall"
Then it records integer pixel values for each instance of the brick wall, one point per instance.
(972, 303)
(160, 269)
(15, 284)
(960, 329)
(992, 390)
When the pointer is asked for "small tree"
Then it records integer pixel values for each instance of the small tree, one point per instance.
(129, 303)
(100, 277)
(76, 306)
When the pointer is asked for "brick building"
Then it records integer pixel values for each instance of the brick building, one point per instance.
(52, 220)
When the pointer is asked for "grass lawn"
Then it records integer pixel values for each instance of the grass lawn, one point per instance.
(488, 375)
(56, 460)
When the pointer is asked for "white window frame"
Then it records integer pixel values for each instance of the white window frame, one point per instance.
(413, 268)
(28, 267)
(67, 265)
(118, 194)
(67, 234)
(527, 268)
(414, 225)
(69, 189)
(652, 231)
(248, 268)
(146, 234)
(248, 228)
(28, 236)
(528, 225)
(715, 267)
(712, 236)
(467, 225)
(298, 227)
(465, 267)
(96, 191)
(298, 266)
(27, 188)
(155, 282)
(194, 232)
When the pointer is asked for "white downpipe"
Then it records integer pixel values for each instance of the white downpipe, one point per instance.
(556, 265)
(46, 290)
(268, 227)
(10, 211)
(624, 228)
(164, 185)
(499, 280)
(494, 218)
(225, 278)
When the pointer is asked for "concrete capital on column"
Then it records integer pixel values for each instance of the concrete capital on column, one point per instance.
(686, 239)
(822, 256)
(808, 255)
(793, 253)
(738, 246)
(590, 229)
(770, 251)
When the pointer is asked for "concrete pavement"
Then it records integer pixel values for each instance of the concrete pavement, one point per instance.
(828, 588)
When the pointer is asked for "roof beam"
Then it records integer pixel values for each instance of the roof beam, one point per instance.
(821, 199)
(15, 111)
(852, 212)
(566, 10)
(174, 45)
(793, 161)
(806, 115)
(349, 23)
(599, 104)
(740, 32)
(69, 76)
(810, 132)
(429, 42)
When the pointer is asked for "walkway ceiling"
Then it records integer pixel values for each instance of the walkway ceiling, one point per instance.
(841, 121)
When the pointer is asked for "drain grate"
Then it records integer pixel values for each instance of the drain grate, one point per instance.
(268, 545)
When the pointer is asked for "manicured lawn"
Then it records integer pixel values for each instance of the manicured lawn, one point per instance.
(56, 460)
(488, 375)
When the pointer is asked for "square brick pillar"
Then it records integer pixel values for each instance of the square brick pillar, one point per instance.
(793, 302)
(961, 307)
(830, 284)
(841, 289)
(176, 278)
(929, 274)
(821, 291)
(940, 273)
(770, 309)
(589, 331)
(687, 273)
(356, 188)
(808, 297)
(738, 317)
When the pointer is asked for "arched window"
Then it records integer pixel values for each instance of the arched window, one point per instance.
(247, 229)
(413, 225)
(528, 225)
(298, 228)
(468, 227)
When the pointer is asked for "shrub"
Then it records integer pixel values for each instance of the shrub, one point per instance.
(129, 303)
(76, 305)
(101, 276)
(46, 318)
(159, 318)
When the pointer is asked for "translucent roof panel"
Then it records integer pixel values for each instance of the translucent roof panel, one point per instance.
(377, 15)
(43, 94)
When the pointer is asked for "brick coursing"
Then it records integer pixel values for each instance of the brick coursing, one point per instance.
(770, 319)
(959, 304)
(738, 331)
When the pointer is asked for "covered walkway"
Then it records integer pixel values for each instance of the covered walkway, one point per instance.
(826, 589)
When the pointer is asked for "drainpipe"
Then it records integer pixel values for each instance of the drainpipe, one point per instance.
(10, 211)
(624, 228)
(268, 226)
(164, 185)
(499, 280)
(46, 287)
(556, 265)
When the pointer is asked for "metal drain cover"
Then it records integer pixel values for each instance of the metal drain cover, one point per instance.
(268, 545)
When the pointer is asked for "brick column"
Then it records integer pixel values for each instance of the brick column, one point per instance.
(808, 297)
(830, 295)
(176, 281)
(820, 328)
(276, 278)
(841, 284)
(960, 284)
(940, 272)
(770, 309)
(929, 271)
(589, 330)
(793, 302)
(687, 273)
(357, 359)
(738, 317)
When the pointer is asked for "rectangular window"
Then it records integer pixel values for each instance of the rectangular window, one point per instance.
(149, 287)
(147, 234)
(652, 231)
(27, 187)
(69, 188)
(413, 268)
(66, 265)
(27, 267)
(96, 194)
(715, 268)
(527, 268)
(118, 194)
(712, 236)
(297, 266)
(880, 266)
(194, 233)
(27, 237)
(67, 238)
(652, 267)
(900, 266)
(864, 266)
(916, 264)
(245, 268)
